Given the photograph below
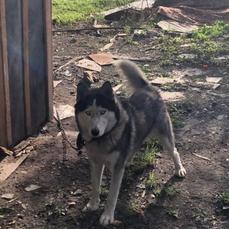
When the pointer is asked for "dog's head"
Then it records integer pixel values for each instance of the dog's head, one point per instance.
(96, 110)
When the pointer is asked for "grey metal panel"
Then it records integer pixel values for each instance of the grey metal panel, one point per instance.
(38, 79)
(15, 69)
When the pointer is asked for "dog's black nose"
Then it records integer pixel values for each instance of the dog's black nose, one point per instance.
(95, 132)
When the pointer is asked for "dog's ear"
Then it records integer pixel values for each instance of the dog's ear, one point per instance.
(106, 90)
(82, 91)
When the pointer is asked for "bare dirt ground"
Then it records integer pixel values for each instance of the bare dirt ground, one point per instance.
(201, 129)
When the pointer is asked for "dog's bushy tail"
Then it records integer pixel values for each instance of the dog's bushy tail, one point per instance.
(133, 73)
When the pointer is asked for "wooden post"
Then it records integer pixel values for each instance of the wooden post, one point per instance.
(25, 27)
(49, 62)
(6, 133)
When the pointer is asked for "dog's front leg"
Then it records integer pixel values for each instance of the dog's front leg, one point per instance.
(116, 180)
(96, 176)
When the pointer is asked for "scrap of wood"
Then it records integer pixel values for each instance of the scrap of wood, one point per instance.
(205, 158)
(171, 25)
(172, 96)
(7, 168)
(64, 111)
(94, 29)
(89, 64)
(125, 57)
(162, 81)
(6, 151)
(56, 82)
(102, 58)
(112, 40)
(76, 58)
(116, 88)
(213, 79)
(21, 146)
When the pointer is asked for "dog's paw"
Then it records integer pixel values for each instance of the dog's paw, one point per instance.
(181, 172)
(106, 218)
(91, 207)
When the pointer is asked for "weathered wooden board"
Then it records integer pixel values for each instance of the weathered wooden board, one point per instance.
(15, 68)
(38, 86)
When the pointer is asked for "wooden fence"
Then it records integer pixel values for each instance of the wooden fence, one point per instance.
(25, 68)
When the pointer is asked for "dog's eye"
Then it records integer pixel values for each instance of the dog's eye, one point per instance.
(87, 113)
(102, 112)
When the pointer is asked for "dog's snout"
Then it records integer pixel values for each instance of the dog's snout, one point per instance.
(95, 132)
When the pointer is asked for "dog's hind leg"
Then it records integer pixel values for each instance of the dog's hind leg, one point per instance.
(96, 176)
(164, 132)
(116, 180)
(169, 146)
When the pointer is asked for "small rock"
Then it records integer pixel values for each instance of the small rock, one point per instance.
(195, 132)
(71, 204)
(32, 187)
(220, 117)
(8, 196)
(116, 223)
(67, 73)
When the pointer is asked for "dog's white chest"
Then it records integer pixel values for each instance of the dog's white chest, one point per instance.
(100, 155)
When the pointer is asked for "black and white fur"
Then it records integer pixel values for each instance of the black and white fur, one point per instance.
(115, 129)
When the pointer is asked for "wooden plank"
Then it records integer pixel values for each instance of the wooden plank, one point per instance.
(25, 27)
(5, 72)
(15, 69)
(37, 65)
(9, 165)
(3, 137)
(49, 62)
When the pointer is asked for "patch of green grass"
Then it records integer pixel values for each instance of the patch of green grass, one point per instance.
(224, 197)
(152, 181)
(199, 215)
(146, 68)
(127, 209)
(171, 191)
(176, 110)
(104, 191)
(207, 32)
(172, 212)
(70, 11)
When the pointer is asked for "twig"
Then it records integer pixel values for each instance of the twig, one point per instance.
(205, 158)
(76, 58)
(94, 29)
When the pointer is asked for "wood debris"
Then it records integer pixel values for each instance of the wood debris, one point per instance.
(6, 151)
(56, 82)
(102, 58)
(205, 158)
(76, 58)
(89, 64)
(8, 167)
(175, 26)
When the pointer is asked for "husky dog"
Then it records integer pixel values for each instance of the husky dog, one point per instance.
(114, 129)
